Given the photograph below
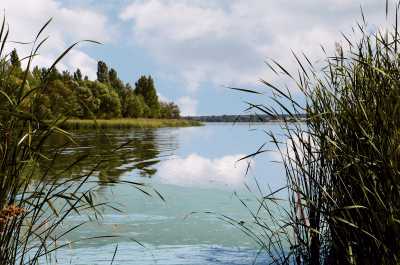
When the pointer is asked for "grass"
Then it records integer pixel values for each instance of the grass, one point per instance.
(342, 163)
(35, 198)
(74, 124)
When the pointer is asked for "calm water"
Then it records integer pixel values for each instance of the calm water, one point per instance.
(195, 170)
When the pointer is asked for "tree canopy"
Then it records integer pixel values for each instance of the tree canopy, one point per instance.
(76, 96)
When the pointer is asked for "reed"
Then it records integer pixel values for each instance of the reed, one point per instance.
(342, 163)
(75, 124)
(35, 198)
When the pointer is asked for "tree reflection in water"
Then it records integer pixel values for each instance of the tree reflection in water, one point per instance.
(112, 153)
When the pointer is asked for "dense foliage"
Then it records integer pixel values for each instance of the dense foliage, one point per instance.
(76, 96)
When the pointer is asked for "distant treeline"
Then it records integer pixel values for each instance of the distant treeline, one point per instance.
(246, 118)
(74, 95)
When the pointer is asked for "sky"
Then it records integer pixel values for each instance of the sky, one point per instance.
(194, 49)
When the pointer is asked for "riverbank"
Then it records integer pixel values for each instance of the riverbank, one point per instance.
(76, 124)
(249, 118)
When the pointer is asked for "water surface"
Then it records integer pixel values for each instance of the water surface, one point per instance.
(197, 172)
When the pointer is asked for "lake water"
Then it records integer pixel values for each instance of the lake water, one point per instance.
(195, 170)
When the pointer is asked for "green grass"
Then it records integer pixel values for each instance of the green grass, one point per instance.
(75, 124)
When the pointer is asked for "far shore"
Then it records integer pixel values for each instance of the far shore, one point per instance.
(125, 123)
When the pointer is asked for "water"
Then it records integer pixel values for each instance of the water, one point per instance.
(197, 173)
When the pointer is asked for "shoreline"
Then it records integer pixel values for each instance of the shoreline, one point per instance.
(126, 123)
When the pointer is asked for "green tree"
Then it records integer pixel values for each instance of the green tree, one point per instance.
(110, 105)
(66, 75)
(70, 94)
(63, 100)
(112, 74)
(169, 110)
(96, 87)
(145, 87)
(147, 113)
(14, 59)
(115, 82)
(89, 105)
(78, 75)
(36, 73)
(52, 76)
(175, 111)
(42, 106)
(134, 106)
(102, 72)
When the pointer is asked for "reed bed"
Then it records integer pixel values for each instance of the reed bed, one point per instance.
(75, 124)
(35, 197)
(341, 163)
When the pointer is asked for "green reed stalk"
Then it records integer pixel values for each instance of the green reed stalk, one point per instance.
(35, 198)
(342, 163)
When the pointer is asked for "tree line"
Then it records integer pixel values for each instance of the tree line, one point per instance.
(248, 118)
(74, 95)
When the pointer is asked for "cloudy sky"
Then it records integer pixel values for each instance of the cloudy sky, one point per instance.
(193, 48)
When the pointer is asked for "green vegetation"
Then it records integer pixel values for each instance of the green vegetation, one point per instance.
(36, 195)
(70, 95)
(126, 123)
(244, 118)
(342, 163)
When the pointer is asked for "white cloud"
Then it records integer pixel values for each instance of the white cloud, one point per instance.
(294, 148)
(26, 17)
(226, 42)
(163, 98)
(79, 59)
(188, 106)
(195, 170)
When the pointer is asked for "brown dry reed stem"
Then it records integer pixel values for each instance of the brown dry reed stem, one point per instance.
(342, 163)
(8, 213)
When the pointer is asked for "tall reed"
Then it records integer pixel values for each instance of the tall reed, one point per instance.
(342, 163)
(34, 202)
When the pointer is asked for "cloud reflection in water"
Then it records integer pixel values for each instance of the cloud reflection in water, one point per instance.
(199, 171)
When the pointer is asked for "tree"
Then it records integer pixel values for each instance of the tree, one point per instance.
(36, 73)
(134, 106)
(115, 82)
(14, 59)
(102, 72)
(97, 88)
(113, 76)
(68, 93)
(78, 75)
(63, 100)
(145, 87)
(66, 75)
(89, 105)
(110, 105)
(42, 106)
(146, 110)
(169, 110)
(52, 76)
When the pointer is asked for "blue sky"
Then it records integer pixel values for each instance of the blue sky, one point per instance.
(192, 48)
